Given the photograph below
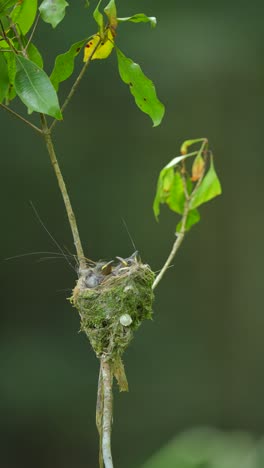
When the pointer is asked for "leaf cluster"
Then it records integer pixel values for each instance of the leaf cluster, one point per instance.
(184, 190)
(21, 63)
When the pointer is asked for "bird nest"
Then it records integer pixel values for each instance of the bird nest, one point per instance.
(113, 299)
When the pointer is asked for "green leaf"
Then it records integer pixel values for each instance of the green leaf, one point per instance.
(164, 184)
(5, 5)
(4, 45)
(99, 18)
(53, 11)
(140, 87)
(11, 67)
(175, 161)
(193, 217)
(139, 18)
(176, 197)
(34, 55)
(64, 64)
(24, 15)
(187, 143)
(4, 78)
(210, 187)
(35, 90)
(110, 11)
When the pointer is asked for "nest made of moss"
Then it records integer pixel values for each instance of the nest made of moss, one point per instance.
(116, 304)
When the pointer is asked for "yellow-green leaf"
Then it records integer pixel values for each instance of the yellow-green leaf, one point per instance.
(110, 11)
(99, 48)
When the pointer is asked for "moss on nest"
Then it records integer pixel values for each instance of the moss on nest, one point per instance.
(115, 308)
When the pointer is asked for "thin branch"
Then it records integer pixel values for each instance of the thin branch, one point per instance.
(99, 415)
(18, 116)
(7, 38)
(180, 236)
(64, 192)
(33, 31)
(18, 37)
(107, 412)
(188, 197)
(75, 86)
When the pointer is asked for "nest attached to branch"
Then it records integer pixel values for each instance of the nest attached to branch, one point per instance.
(113, 300)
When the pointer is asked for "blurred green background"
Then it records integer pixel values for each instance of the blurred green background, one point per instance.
(200, 362)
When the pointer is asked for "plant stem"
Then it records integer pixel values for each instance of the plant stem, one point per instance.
(21, 118)
(107, 379)
(180, 236)
(99, 414)
(64, 192)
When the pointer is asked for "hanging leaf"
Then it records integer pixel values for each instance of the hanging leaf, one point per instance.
(176, 197)
(53, 11)
(140, 87)
(5, 5)
(175, 161)
(164, 184)
(34, 55)
(139, 18)
(99, 18)
(103, 47)
(193, 217)
(4, 78)
(187, 143)
(170, 188)
(35, 90)
(64, 64)
(198, 168)
(210, 187)
(110, 11)
(24, 15)
(11, 68)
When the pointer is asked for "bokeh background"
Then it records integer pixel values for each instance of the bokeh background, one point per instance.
(200, 362)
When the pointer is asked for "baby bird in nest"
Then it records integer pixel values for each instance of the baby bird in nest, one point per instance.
(96, 274)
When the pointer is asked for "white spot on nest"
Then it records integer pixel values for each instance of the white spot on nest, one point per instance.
(125, 320)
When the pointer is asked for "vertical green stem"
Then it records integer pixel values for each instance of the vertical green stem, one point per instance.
(64, 192)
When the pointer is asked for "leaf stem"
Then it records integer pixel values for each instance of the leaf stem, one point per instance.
(18, 116)
(71, 217)
(107, 379)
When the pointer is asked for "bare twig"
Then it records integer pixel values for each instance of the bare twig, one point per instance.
(64, 192)
(107, 412)
(175, 247)
(18, 116)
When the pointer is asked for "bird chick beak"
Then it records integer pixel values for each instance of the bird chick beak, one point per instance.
(122, 260)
